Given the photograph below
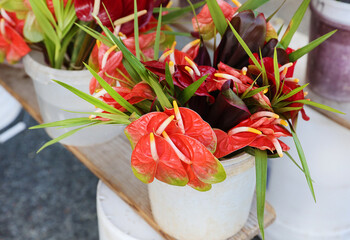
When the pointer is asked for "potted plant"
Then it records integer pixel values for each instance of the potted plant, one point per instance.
(327, 74)
(59, 50)
(198, 124)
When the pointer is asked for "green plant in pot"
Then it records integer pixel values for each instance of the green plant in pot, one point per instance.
(204, 125)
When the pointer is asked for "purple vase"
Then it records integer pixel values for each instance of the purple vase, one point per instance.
(328, 67)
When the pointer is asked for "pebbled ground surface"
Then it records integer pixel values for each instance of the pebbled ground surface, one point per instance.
(48, 196)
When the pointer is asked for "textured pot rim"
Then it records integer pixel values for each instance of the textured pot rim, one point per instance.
(336, 21)
(238, 164)
(33, 67)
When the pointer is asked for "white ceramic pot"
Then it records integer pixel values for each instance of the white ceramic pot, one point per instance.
(326, 146)
(9, 108)
(218, 214)
(117, 220)
(53, 99)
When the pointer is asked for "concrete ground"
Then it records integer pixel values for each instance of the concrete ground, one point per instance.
(48, 196)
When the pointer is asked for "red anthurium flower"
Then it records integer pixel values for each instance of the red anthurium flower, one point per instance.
(179, 128)
(261, 131)
(12, 45)
(153, 158)
(109, 60)
(290, 83)
(205, 21)
(241, 80)
(138, 93)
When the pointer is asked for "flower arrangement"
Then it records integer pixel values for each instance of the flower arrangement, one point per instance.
(185, 112)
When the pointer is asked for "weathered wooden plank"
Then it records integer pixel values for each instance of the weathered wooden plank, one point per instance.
(111, 161)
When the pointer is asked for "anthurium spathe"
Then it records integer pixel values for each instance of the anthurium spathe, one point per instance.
(179, 128)
(12, 45)
(110, 59)
(261, 131)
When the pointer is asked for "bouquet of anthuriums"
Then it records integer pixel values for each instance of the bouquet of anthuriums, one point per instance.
(185, 111)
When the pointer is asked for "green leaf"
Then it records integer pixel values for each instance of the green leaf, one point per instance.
(178, 13)
(318, 105)
(217, 16)
(44, 22)
(62, 123)
(261, 176)
(251, 5)
(169, 79)
(279, 30)
(255, 91)
(287, 109)
(136, 31)
(309, 47)
(303, 161)
(245, 47)
(294, 25)
(99, 104)
(116, 96)
(276, 11)
(189, 91)
(157, 41)
(291, 93)
(67, 134)
(184, 34)
(115, 117)
(276, 72)
(296, 164)
(95, 34)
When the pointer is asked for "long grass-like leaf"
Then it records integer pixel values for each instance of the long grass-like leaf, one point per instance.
(318, 105)
(276, 11)
(189, 91)
(67, 134)
(90, 99)
(116, 96)
(255, 91)
(309, 47)
(169, 79)
(303, 161)
(115, 117)
(277, 72)
(136, 31)
(291, 93)
(157, 41)
(168, 18)
(294, 24)
(217, 16)
(251, 5)
(261, 176)
(62, 123)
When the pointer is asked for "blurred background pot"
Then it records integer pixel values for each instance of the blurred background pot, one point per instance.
(117, 220)
(298, 216)
(217, 214)
(328, 65)
(53, 99)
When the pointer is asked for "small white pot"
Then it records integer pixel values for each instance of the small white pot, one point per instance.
(117, 220)
(218, 214)
(53, 99)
